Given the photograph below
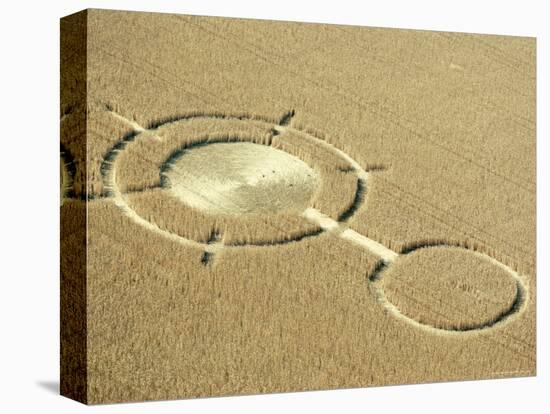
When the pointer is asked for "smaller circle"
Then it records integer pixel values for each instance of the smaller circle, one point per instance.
(241, 178)
(451, 288)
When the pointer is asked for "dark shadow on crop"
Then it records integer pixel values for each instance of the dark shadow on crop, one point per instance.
(421, 244)
(295, 238)
(376, 274)
(157, 123)
(109, 158)
(287, 118)
(360, 193)
(208, 257)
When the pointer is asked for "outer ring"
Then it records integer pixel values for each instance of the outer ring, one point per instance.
(109, 176)
(513, 311)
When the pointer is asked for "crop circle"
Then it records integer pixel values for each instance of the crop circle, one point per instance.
(451, 288)
(241, 178)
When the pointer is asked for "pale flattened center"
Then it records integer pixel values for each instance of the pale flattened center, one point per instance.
(240, 178)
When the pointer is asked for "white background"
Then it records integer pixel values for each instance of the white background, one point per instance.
(29, 206)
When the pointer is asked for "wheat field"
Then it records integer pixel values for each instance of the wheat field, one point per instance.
(256, 206)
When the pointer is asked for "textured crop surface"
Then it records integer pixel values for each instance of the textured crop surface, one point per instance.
(255, 206)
